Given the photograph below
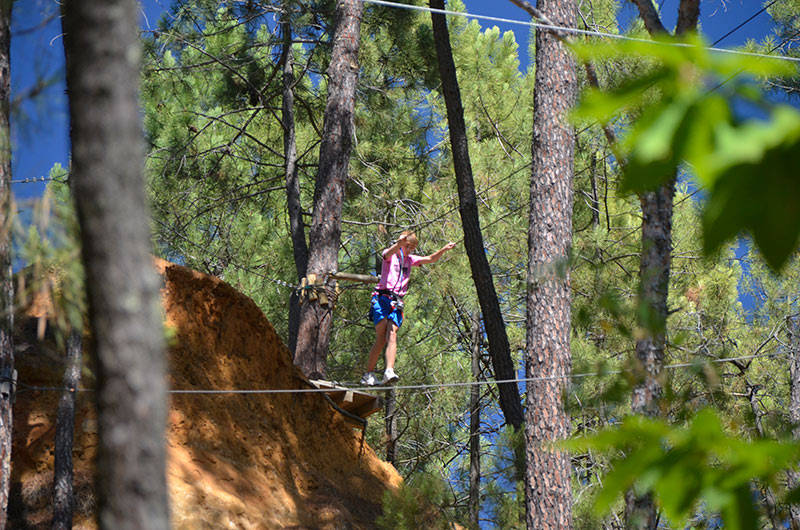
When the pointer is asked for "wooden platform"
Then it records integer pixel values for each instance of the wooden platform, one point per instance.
(354, 402)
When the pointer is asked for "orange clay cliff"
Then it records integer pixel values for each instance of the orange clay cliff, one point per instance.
(253, 461)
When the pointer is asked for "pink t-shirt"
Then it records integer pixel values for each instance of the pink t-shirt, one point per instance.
(393, 277)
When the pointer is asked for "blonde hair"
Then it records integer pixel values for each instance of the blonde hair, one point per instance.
(411, 237)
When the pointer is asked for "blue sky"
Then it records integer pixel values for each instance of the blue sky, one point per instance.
(40, 129)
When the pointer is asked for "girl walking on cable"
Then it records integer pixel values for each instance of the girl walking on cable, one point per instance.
(387, 302)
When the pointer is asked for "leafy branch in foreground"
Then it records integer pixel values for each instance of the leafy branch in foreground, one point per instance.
(687, 103)
(684, 467)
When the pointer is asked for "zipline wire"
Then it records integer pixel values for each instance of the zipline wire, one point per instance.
(562, 29)
(421, 387)
(742, 24)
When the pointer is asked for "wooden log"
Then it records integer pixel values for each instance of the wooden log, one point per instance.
(363, 278)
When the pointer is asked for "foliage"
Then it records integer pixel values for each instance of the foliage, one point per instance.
(693, 120)
(51, 251)
(504, 494)
(418, 503)
(677, 108)
(687, 466)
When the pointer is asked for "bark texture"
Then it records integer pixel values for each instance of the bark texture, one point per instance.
(296, 231)
(654, 273)
(475, 427)
(334, 159)
(653, 291)
(793, 475)
(499, 348)
(63, 495)
(650, 17)
(688, 15)
(107, 179)
(6, 280)
(548, 355)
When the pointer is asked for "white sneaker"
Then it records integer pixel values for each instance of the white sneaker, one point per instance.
(389, 377)
(369, 379)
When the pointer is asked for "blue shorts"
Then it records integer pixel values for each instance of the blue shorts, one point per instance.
(382, 308)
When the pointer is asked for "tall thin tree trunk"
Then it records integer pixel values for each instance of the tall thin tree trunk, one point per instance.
(107, 179)
(6, 280)
(770, 503)
(499, 348)
(653, 291)
(390, 423)
(548, 355)
(654, 273)
(325, 235)
(640, 511)
(63, 496)
(475, 426)
(595, 200)
(794, 408)
(299, 246)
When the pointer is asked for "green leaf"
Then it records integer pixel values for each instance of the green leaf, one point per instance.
(684, 466)
(604, 106)
(655, 146)
(756, 187)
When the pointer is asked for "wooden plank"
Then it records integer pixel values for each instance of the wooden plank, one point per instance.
(353, 401)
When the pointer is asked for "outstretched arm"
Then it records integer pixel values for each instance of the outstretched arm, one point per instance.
(433, 258)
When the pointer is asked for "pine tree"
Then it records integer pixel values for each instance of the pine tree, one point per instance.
(107, 154)
(63, 495)
(654, 275)
(324, 237)
(548, 493)
(473, 238)
(293, 202)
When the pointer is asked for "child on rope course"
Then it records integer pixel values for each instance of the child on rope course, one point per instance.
(387, 301)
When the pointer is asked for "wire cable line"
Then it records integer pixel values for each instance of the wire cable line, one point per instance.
(563, 29)
(779, 45)
(741, 25)
(420, 387)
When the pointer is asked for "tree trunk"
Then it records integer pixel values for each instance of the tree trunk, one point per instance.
(794, 409)
(102, 60)
(390, 422)
(475, 427)
(640, 512)
(63, 496)
(595, 199)
(770, 503)
(473, 239)
(548, 492)
(6, 280)
(299, 246)
(653, 291)
(334, 159)
(654, 267)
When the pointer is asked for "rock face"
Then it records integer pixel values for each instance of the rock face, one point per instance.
(248, 461)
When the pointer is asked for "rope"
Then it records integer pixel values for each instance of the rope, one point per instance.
(278, 282)
(37, 179)
(455, 384)
(562, 29)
